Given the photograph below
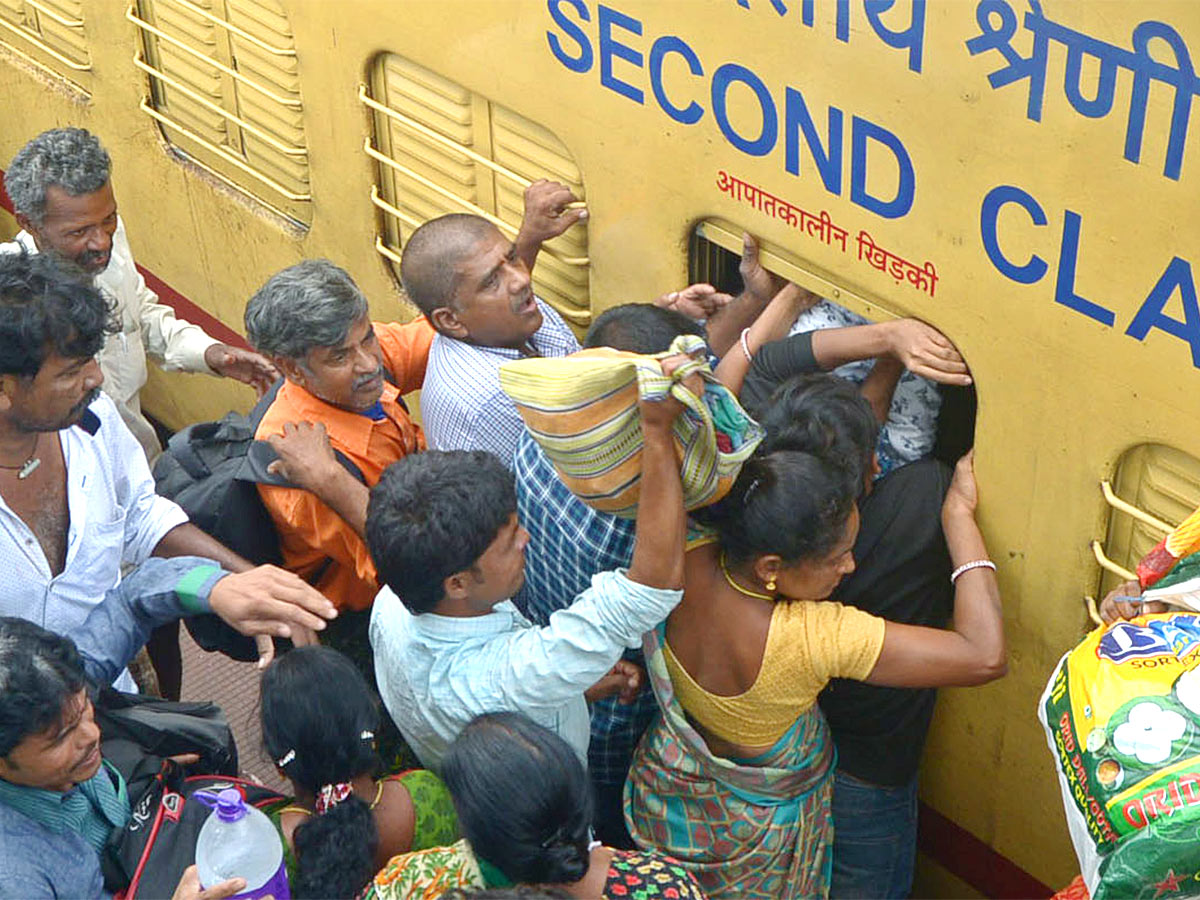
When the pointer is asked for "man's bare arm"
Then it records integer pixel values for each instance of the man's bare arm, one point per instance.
(759, 286)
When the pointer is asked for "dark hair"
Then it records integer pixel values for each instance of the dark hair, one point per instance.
(790, 503)
(824, 415)
(523, 800)
(47, 306)
(434, 514)
(39, 672)
(639, 328)
(319, 717)
(431, 253)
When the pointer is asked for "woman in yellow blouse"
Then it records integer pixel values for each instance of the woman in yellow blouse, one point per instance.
(734, 778)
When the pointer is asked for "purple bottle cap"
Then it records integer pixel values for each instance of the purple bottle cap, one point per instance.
(228, 803)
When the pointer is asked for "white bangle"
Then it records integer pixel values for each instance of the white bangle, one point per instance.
(973, 564)
(746, 345)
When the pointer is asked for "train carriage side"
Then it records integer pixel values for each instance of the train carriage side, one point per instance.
(1019, 174)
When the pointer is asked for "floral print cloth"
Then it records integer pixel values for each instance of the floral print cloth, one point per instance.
(633, 875)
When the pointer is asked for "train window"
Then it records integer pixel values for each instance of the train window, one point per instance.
(50, 35)
(1154, 488)
(714, 252)
(442, 148)
(225, 92)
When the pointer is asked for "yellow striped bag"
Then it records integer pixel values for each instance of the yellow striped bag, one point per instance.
(583, 411)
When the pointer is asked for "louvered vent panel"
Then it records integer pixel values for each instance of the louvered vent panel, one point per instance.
(225, 88)
(421, 177)
(50, 34)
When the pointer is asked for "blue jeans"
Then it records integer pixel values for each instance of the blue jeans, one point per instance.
(874, 838)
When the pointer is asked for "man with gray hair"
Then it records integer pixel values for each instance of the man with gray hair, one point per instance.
(344, 379)
(63, 198)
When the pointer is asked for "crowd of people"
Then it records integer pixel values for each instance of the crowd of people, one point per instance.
(490, 688)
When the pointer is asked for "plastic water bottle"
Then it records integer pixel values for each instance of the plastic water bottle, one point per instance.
(239, 841)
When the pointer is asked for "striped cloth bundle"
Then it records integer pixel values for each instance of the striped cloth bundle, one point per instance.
(583, 411)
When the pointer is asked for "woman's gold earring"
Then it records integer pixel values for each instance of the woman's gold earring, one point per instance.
(771, 585)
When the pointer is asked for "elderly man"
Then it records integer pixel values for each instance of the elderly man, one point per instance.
(63, 198)
(59, 799)
(344, 379)
(76, 498)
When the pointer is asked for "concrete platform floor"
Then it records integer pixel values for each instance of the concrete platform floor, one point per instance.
(234, 687)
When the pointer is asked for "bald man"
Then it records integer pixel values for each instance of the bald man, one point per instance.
(474, 286)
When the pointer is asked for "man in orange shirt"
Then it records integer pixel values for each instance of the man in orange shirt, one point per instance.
(344, 379)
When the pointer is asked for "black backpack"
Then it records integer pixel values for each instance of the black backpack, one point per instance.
(211, 469)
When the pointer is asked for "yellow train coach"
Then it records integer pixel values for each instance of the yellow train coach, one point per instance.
(1019, 173)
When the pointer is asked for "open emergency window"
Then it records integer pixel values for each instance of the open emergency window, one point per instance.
(714, 252)
(49, 34)
(442, 148)
(1154, 488)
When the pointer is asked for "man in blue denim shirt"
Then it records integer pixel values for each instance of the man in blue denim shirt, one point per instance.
(59, 800)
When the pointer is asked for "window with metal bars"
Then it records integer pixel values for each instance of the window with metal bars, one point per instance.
(50, 35)
(1154, 488)
(714, 253)
(224, 88)
(442, 148)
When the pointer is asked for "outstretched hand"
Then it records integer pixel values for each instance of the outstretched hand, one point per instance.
(926, 351)
(756, 280)
(660, 414)
(242, 365)
(306, 457)
(546, 213)
(696, 301)
(270, 602)
(1124, 602)
(189, 887)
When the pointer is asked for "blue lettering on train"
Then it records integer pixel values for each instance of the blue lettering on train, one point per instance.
(625, 69)
(1177, 277)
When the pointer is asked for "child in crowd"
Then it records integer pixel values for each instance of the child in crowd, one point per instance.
(319, 720)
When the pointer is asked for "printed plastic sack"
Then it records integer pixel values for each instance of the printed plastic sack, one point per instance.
(583, 411)
(1122, 717)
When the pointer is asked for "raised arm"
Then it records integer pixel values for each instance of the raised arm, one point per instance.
(921, 348)
(973, 652)
(773, 324)
(546, 217)
(661, 520)
(758, 287)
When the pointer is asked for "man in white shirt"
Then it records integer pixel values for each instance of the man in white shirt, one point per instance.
(76, 497)
(63, 198)
(450, 644)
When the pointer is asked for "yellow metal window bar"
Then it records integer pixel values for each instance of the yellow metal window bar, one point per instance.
(1119, 505)
(221, 152)
(229, 26)
(248, 143)
(425, 171)
(286, 149)
(237, 76)
(61, 39)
